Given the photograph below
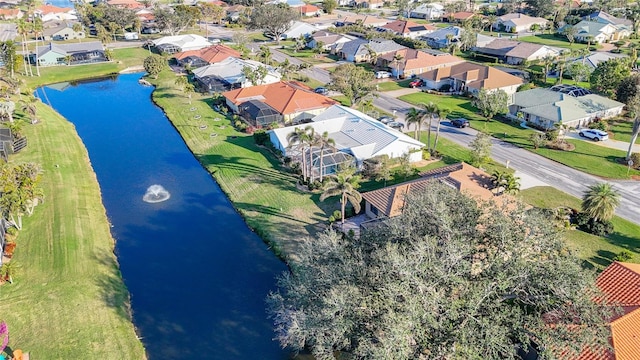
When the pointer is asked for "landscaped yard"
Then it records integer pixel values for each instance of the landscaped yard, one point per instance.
(597, 252)
(551, 40)
(68, 300)
(307, 55)
(394, 85)
(587, 157)
(622, 130)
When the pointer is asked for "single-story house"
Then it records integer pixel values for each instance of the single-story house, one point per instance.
(309, 10)
(227, 75)
(598, 32)
(606, 18)
(358, 50)
(364, 20)
(294, 101)
(367, 4)
(592, 60)
(516, 22)
(458, 17)
(69, 54)
(291, 3)
(355, 134)
(428, 11)
(180, 43)
(205, 56)
(297, 29)
(8, 31)
(127, 4)
(545, 108)
(471, 77)
(414, 62)
(406, 28)
(50, 12)
(11, 14)
(439, 38)
(329, 40)
(235, 11)
(62, 30)
(389, 201)
(516, 52)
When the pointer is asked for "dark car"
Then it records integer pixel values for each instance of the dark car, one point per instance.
(460, 123)
(385, 119)
(322, 91)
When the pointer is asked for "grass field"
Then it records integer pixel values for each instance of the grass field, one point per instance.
(68, 300)
(551, 40)
(394, 85)
(587, 157)
(597, 252)
(307, 56)
(622, 130)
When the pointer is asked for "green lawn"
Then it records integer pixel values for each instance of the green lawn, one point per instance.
(551, 40)
(622, 130)
(308, 56)
(590, 158)
(68, 300)
(597, 252)
(394, 85)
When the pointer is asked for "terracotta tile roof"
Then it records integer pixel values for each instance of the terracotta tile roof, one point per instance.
(476, 76)
(625, 335)
(305, 9)
(285, 97)
(50, 9)
(464, 177)
(147, 17)
(416, 59)
(406, 27)
(211, 54)
(620, 282)
(129, 4)
(461, 15)
(9, 12)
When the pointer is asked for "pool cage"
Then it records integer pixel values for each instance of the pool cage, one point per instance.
(332, 161)
(257, 113)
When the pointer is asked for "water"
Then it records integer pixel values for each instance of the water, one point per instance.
(198, 277)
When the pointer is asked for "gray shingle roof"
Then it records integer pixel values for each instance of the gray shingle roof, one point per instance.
(73, 48)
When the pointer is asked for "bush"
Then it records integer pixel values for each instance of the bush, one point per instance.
(597, 228)
(635, 157)
(599, 124)
(445, 88)
(624, 256)
(552, 135)
(314, 185)
(426, 155)
(260, 137)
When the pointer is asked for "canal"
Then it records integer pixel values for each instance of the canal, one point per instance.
(197, 275)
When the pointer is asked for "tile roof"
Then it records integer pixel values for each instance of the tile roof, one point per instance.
(129, 4)
(462, 15)
(592, 28)
(621, 283)
(364, 19)
(464, 177)
(506, 47)
(211, 54)
(474, 75)
(10, 12)
(380, 46)
(406, 27)
(230, 69)
(625, 336)
(50, 9)
(521, 19)
(416, 59)
(285, 97)
(308, 8)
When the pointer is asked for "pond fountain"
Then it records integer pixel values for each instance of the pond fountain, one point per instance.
(156, 194)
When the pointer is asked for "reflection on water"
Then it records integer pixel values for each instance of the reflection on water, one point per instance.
(197, 275)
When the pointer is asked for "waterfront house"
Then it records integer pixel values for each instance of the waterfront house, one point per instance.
(69, 54)
(227, 74)
(205, 56)
(180, 43)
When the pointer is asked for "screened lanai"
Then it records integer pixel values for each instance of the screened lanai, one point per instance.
(257, 113)
(332, 161)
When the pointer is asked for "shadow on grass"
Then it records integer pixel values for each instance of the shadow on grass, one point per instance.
(624, 241)
(603, 259)
(112, 289)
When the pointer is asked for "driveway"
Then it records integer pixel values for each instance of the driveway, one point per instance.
(611, 143)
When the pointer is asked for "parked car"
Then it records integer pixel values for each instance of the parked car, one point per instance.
(382, 74)
(322, 91)
(460, 123)
(416, 83)
(386, 119)
(396, 125)
(594, 134)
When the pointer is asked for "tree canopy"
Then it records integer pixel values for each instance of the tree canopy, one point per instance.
(606, 77)
(491, 103)
(273, 19)
(447, 279)
(353, 82)
(154, 64)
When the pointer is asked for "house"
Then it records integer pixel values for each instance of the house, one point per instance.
(595, 32)
(11, 14)
(459, 17)
(545, 107)
(62, 30)
(367, 4)
(442, 38)
(471, 77)
(294, 101)
(297, 29)
(8, 31)
(414, 62)
(355, 134)
(605, 18)
(620, 283)
(309, 10)
(234, 12)
(516, 22)
(126, 4)
(227, 74)
(205, 56)
(592, 60)
(180, 43)
(69, 54)
(389, 201)
(50, 12)
(428, 11)
(516, 52)
(146, 16)
(364, 20)
(406, 28)
(330, 41)
(359, 50)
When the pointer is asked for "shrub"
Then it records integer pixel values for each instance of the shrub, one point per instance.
(249, 130)
(538, 140)
(426, 155)
(260, 137)
(635, 157)
(552, 135)
(445, 88)
(598, 228)
(624, 256)
(599, 124)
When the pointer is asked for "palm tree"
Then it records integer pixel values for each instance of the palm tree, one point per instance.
(29, 107)
(431, 110)
(442, 114)
(345, 183)
(599, 202)
(299, 137)
(325, 141)
(415, 116)
(492, 20)
(547, 61)
(23, 28)
(265, 55)
(497, 180)
(68, 59)
(373, 55)
(396, 61)
(511, 184)
(313, 140)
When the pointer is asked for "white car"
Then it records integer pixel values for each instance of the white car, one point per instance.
(594, 134)
(382, 74)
